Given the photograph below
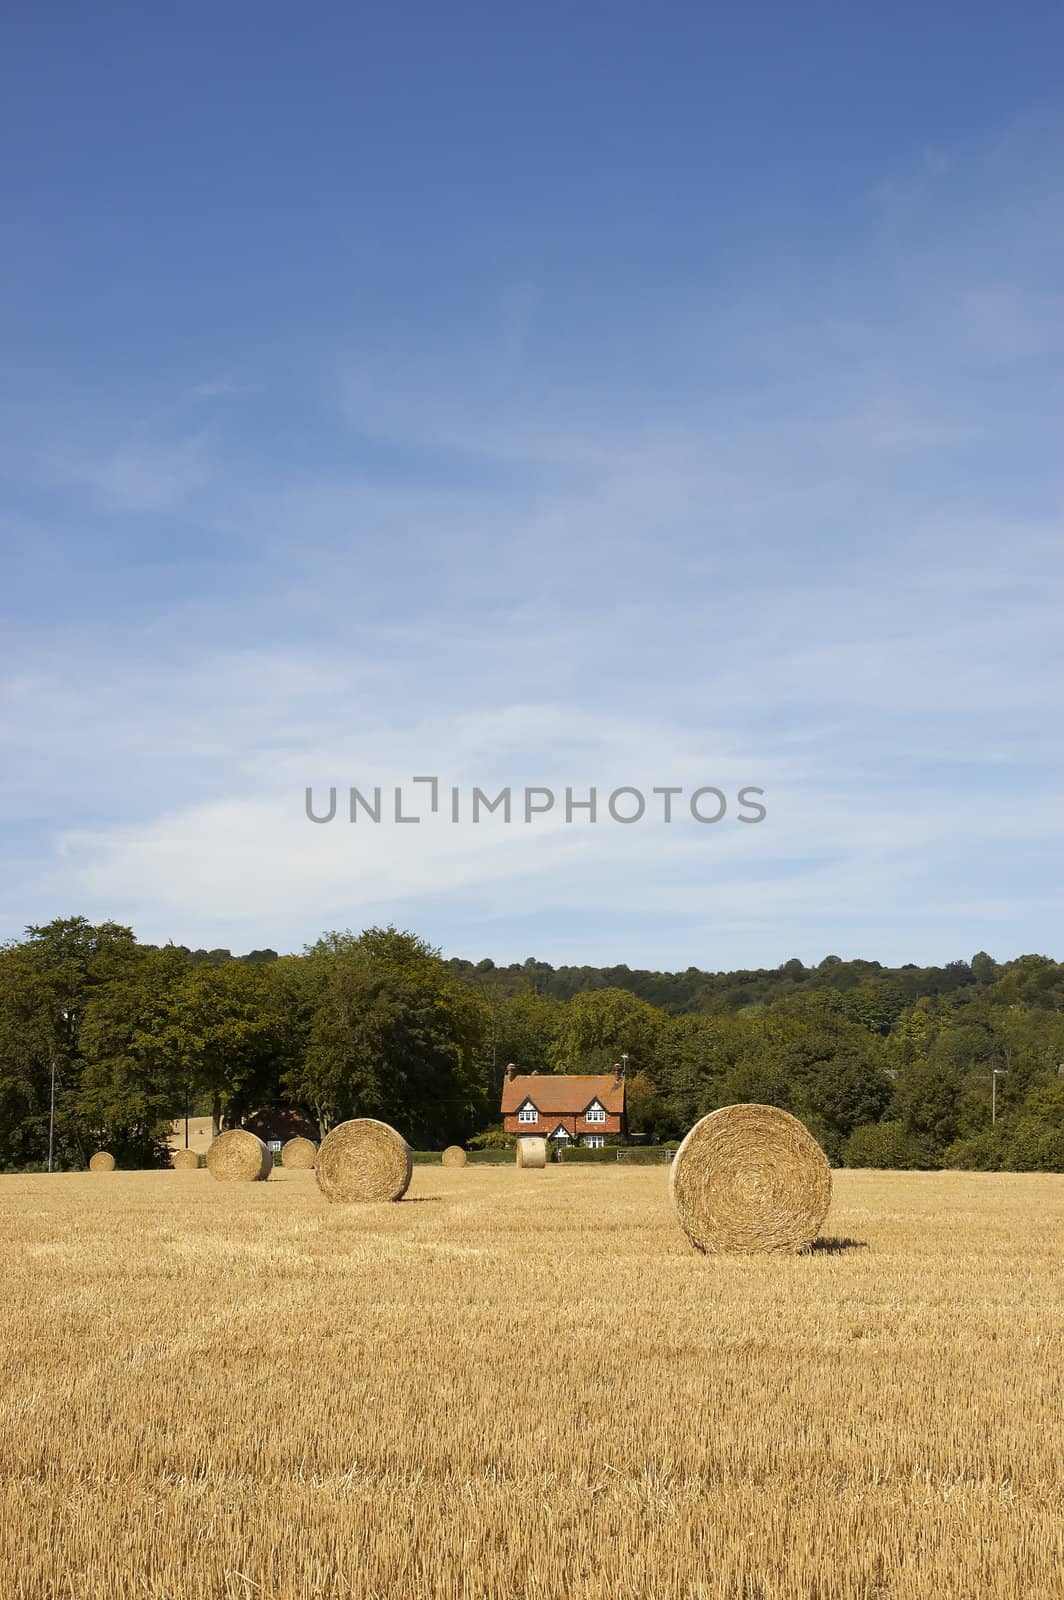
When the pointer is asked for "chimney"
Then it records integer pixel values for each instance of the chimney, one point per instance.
(511, 1071)
(618, 1070)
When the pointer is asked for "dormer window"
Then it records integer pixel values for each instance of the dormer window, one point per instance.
(596, 1112)
(528, 1113)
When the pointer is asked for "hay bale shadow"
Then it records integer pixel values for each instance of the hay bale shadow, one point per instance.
(836, 1247)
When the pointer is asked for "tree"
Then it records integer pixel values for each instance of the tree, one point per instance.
(599, 1026)
(926, 1100)
(524, 1029)
(885, 1144)
(227, 1035)
(46, 982)
(647, 1112)
(394, 1035)
(984, 968)
(134, 1083)
(846, 1091)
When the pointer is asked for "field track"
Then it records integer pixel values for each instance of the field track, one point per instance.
(527, 1384)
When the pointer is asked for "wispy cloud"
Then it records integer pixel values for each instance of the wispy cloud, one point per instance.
(812, 542)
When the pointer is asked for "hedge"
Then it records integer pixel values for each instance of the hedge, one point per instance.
(636, 1155)
(486, 1158)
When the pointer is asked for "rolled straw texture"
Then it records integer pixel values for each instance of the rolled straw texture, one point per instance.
(531, 1153)
(299, 1152)
(364, 1160)
(239, 1156)
(750, 1178)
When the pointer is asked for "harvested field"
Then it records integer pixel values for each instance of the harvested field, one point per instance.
(503, 1390)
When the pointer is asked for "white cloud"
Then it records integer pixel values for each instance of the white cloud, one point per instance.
(811, 545)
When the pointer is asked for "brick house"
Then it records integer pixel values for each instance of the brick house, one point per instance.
(562, 1107)
(275, 1125)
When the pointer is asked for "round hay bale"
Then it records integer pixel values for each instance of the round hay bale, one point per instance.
(238, 1156)
(531, 1153)
(364, 1160)
(750, 1178)
(102, 1161)
(299, 1152)
(453, 1156)
(185, 1160)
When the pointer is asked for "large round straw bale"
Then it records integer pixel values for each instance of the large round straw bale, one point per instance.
(750, 1178)
(453, 1156)
(531, 1152)
(102, 1161)
(238, 1156)
(364, 1160)
(185, 1160)
(299, 1152)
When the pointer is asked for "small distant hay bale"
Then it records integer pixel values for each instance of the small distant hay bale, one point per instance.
(750, 1178)
(453, 1156)
(299, 1152)
(185, 1160)
(238, 1156)
(102, 1161)
(364, 1160)
(531, 1153)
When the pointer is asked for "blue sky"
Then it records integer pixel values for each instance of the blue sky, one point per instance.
(599, 395)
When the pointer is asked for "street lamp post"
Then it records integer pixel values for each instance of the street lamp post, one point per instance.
(51, 1118)
(997, 1072)
(51, 1111)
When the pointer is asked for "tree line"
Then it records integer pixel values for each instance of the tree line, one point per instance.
(896, 1067)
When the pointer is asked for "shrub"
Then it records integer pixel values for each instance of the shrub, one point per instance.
(886, 1144)
(1035, 1146)
(981, 1152)
(493, 1138)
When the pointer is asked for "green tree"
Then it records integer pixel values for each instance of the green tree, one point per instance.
(886, 1144)
(46, 982)
(394, 1035)
(133, 1082)
(596, 1028)
(926, 1101)
(226, 1036)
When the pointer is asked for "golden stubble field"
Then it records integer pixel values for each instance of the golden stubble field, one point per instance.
(527, 1385)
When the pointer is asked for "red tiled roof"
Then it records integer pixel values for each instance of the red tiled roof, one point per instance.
(558, 1094)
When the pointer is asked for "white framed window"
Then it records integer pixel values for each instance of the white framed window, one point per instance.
(595, 1112)
(594, 1141)
(528, 1113)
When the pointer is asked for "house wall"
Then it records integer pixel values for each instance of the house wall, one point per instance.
(575, 1125)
